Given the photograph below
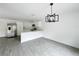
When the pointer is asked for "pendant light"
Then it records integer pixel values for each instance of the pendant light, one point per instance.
(52, 17)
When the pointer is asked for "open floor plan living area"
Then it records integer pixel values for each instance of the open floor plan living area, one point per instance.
(39, 29)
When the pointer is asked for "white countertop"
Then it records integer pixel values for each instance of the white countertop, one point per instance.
(30, 35)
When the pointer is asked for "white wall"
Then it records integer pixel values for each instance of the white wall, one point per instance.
(66, 30)
(27, 25)
(3, 26)
(19, 27)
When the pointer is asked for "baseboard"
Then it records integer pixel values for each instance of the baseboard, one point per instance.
(59, 41)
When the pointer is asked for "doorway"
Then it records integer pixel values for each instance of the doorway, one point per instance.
(11, 30)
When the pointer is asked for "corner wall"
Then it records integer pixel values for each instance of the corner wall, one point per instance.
(66, 30)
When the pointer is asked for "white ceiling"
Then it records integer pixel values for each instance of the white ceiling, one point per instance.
(34, 11)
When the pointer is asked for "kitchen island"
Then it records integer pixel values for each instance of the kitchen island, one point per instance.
(30, 35)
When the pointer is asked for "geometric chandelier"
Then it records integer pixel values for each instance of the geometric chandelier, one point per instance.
(52, 17)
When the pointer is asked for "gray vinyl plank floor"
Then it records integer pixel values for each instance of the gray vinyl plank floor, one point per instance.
(37, 47)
